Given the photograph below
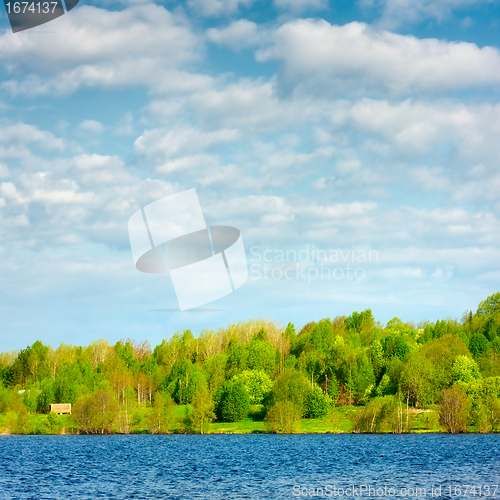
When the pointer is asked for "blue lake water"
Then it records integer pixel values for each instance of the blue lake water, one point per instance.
(249, 466)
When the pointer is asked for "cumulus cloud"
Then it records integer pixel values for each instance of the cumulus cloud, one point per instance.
(76, 199)
(411, 130)
(91, 127)
(95, 47)
(23, 134)
(237, 35)
(429, 179)
(357, 147)
(170, 144)
(287, 168)
(317, 56)
(482, 190)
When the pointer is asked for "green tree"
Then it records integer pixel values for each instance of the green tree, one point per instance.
(384, 387)
(233, 402)
(283, 418)
(184, 380)
(215, 371)
(30, 397)
(382, 414)
(371, 417)
(356, 322)
(455, 410)
(416, 381)
(4, 399)
(125, 352)
(318, 404)
(396, 345)
(68, 383)
(261, 356)
(46, 395)
(290, 334)
(291, 386)
(465, 369)
(355, 370)
(257, 384)
(490, 305)
(203, 414)
(160, 416)
(96, 413)
(321, 336)
(236, 358)
(487, 414)
(18, 420)
(378, 358)
(54, 422)
(478, 344)
(261, 334)
(442, 352)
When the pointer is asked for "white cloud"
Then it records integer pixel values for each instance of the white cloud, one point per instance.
(410, 130)
(91, 127)
(186, 163)
(217, 8)
(429, 179)
(484, 189)
(22, 134)
(76, 199)
(248, 105)
(317, 56)
(345, 167)
(360, 147)
(171, 144)
(237, 35)
(96, 47)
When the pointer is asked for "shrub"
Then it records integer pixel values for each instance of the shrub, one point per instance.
(283, 418)
(202, 415)
(96, 413)
(160, 416)
(455, 409)
(291, 386)
(383, 414)
(318, 404)
(487, 414)
(54, 421)
(234, 402)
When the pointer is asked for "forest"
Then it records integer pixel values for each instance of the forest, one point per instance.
(441, 376)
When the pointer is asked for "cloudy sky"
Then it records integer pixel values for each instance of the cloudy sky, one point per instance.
(343, 126)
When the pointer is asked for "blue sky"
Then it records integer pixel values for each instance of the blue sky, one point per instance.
(343, 126)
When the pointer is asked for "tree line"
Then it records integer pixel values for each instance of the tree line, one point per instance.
(385, 370)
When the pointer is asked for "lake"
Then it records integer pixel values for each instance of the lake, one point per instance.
(250, 466)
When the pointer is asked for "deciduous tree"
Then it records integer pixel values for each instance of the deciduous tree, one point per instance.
(455, 409)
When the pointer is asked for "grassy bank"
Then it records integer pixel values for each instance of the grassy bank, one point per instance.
(340, 420)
